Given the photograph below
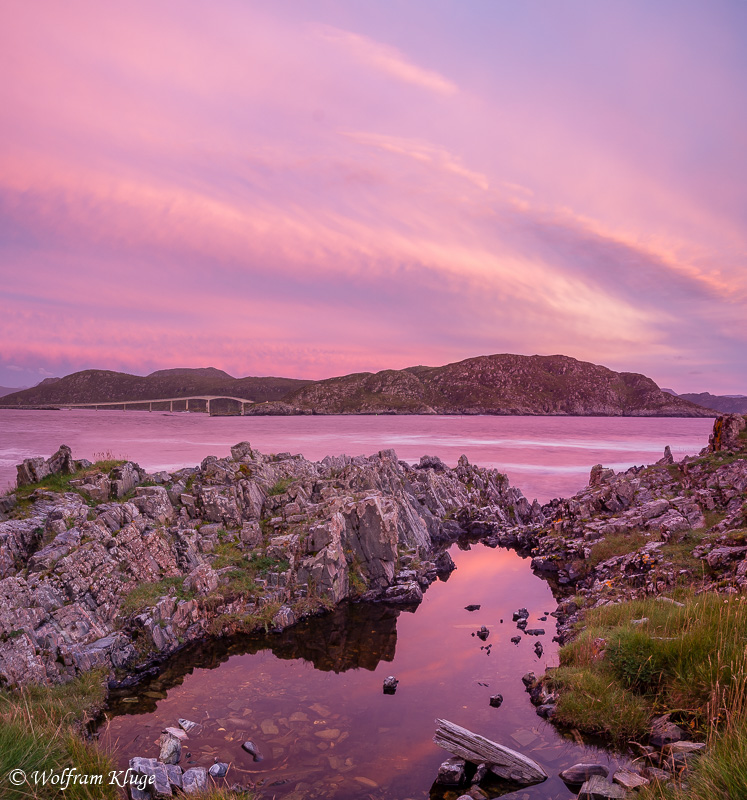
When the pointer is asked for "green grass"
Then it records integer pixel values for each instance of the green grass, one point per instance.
(280, 487)
(616, 544)
(147, 594)
(39, 731)
(689, 660)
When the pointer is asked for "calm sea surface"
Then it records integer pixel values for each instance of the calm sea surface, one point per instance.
(545, 457)
(311, 698)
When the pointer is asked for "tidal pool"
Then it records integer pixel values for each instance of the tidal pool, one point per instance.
(311, 698)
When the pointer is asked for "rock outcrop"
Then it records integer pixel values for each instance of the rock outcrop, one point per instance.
(125, 567)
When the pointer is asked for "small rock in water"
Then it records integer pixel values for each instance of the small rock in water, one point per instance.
(538, 649)
(171, 749)
(253, 750)
(472, 607)
(451, 772)
(521, 624)
(579, 773)
(483, 633)
(522, 613)
(187, 725)
(496, 700)
(535, 631)
(390, 685)
(218, 770)
(516, 639)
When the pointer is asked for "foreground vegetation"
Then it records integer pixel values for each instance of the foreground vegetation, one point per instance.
(40, 731)
(643, 658)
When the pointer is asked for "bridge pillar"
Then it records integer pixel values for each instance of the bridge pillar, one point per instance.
(171, 405)
(208, 406)
(150, 406)
(187, 404)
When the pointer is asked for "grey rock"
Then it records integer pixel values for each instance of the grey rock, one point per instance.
(579, 773)
(194, 780)
(171, 749)
(597, 788)
(451, 772)
(496, 701)
(218, 770)
(253, 750)
(390, 684)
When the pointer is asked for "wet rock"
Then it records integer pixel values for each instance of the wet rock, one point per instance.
(546, 710)
(538, 649)
(535, 631)
(529, 679)
(253, 750)
(171, 749)
(407, 594)
(472, 607)
(480, 773)
(194, 780)
(390, 684)
(579, 773)
(451, 772)
(522, 613)
(218, 770)
(516, 639)
(188, 726)
(496, 701)
(483, 633)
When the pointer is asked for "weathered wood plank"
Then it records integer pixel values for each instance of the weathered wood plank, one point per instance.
(502, 761)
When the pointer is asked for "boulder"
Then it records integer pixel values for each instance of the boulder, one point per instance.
(597, 788)
(451, 772)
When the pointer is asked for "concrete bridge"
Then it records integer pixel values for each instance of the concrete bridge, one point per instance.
(139, 405)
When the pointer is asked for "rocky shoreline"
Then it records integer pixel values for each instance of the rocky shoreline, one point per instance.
(105, 566)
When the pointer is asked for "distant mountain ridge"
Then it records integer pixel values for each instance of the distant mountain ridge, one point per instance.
(102, 386)
(497, 384)
(726, 404)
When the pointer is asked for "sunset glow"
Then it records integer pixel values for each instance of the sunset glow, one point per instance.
(309, 189)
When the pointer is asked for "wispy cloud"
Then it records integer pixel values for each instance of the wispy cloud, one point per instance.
(387, 59)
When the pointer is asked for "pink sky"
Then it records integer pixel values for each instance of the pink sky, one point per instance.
(315, 188)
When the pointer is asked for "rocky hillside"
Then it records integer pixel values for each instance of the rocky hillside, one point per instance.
(99, 385)
(499, 384)
(720, 403)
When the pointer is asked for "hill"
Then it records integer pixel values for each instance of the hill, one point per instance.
(723, 403)
(101, 386)
(497, 384)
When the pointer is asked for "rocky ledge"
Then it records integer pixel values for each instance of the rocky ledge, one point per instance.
(106, 566)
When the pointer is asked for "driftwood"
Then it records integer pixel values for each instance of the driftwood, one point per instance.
(502, 761)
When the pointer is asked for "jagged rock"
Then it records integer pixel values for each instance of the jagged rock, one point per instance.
(451, 772)
(521, 614)
(218, 770)
(483, 633)
(579, 773)
(516, 639)
(188, 726)
(496, 701)
(390, 685)
(124, 479)
(472, 607)
(534, 631)
(202, 580)
(171, 749)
